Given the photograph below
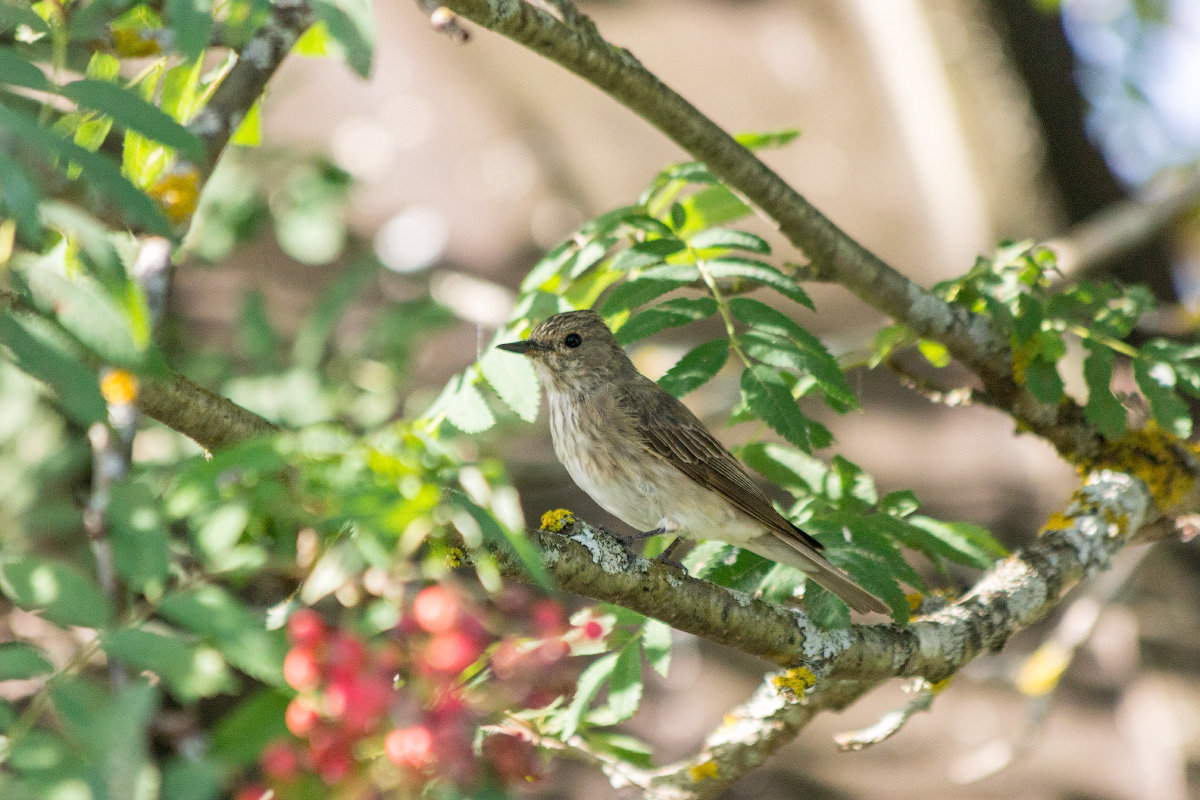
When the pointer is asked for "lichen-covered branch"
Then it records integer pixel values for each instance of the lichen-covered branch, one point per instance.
(244, 85)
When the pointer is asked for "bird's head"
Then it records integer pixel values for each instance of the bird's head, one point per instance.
(573, 351)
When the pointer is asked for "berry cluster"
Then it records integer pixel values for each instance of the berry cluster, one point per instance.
(406, 709)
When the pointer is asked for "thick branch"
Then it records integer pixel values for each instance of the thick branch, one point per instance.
(209, 419)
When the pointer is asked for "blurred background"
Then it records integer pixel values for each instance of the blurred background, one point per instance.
(930, 131)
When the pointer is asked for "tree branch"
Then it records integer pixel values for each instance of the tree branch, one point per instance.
(971, 338)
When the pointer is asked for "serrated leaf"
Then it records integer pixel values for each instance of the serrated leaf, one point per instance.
(899, 504)
(729, 240)
(1103, 409)
(696, 368)
(825, 608)
(514, 380)
(1157, 381)
(586, 688)
(646, 254)
(758, 272)
(963, 542)
(770, 399)
(710, 207)
(189, 671)
(786, 467)
(240, 736)
(467, 410)
(807, 357)
(63, 594)
(130, 111)
(180, 95)
(669, 314)
(624, 687)
(20, 661)
(352, 26)
(97, 169)
(637, 292)
(656, 645)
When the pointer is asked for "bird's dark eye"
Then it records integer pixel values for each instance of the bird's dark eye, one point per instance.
(573, 340)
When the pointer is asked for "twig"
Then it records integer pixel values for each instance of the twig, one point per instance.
(890, 723)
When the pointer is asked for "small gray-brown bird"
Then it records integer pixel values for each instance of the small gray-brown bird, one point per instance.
(646, 459)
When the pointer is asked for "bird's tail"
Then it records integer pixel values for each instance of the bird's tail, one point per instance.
(817, 567)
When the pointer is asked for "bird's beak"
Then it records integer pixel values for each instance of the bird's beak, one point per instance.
(526, 347)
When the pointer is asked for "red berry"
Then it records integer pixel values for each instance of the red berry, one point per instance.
(409, 747)
(436, 609)
(301, 716)
(593, 629)
(358, 704)
(252, 792)
(549, 618)
(279, 760)
(300, 669)
(450, 652)
(332, 757)
(306, 628)
(344, 656)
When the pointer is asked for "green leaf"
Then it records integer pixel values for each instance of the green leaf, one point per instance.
(767, 139)
(90, 314)
(656, 644)
(710, 207)
(1157, 381)
(97, 169)
(138, 534)
(38, 351)
(646, 254)
(185, 778)
(770, 399)
(725, 239)
(825, 608)
(249, 131)
(314, 42)
(935, 353)
(242, 734)
(351, 25)
(189, 671)
(495, 532)
(636, 292)
(586, 688)
(192, 23)
(696, 368)
(130, 111)
(669, 314)
(63, 594)
(1043, 381)
(16, 71)
(180, 90)
(799, 473)
(240, 635)
(625, 686)
(1103, 409)
(466, 409)
(960, 541)
(20, 198)
(758, 272)
(513, 379)
(20, 661)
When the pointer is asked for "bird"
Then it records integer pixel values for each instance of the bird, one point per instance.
(645, 458)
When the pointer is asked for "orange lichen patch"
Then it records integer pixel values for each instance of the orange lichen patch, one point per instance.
(705, 770)
(1058, 522)
(119, 387)
(554, 521)
(177, 194)
(1153, 456)
(914, 600)
(797, 680)
(940, 685)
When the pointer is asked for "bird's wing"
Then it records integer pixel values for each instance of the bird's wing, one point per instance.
(672, 432)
